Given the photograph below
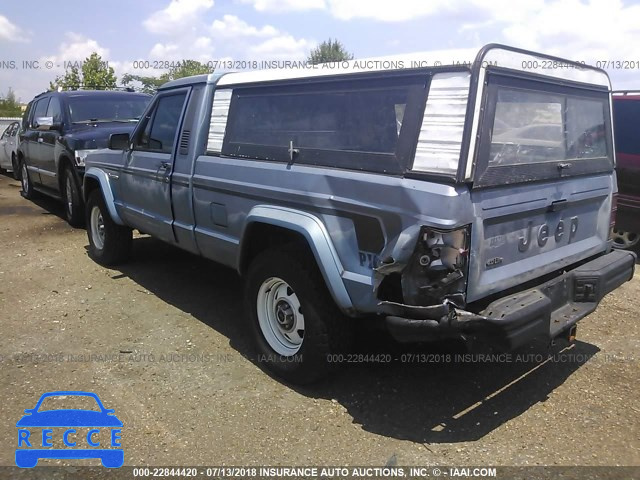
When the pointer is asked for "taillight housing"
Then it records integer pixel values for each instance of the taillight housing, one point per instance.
(438, 267)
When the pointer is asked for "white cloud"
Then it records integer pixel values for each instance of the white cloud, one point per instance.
(386, 11)
(581, 31)
(72, 51)
(232, 27)
(587, 31)
(285, 5)
(11, 32)
(273, 43)
(177, 17)
(282, 47)
(162, 51)
(198, 48)
(78, 47)
(182, 22)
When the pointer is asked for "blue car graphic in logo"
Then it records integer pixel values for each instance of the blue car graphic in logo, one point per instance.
(33, 445)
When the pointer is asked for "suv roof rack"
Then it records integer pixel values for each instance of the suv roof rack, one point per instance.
(93, 87)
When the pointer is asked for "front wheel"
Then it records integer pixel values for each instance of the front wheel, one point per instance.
(72, 199)
(27, 186)
(109, 243)
(295, 324)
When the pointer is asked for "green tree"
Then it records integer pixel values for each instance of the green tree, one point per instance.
(71, 80)
(329, 51)
(9, 106)
(185, 68)
(94, 73)
(147, 84)
(97, 74)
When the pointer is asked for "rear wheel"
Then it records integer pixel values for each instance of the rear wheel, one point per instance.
(27, 186)
(625, 240)
(109, 243)
(295, 324)
(72, 200)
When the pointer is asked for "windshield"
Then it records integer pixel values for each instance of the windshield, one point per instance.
(65, 402)
(119, 108)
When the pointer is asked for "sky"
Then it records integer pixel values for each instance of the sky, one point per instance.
(149, 34)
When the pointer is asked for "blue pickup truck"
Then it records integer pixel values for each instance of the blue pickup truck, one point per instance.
(470, 201)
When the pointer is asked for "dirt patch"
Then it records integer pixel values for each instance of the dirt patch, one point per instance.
(161, 340)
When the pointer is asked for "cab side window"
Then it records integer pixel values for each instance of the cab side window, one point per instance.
(159, 132)
(40, 110)
(27, 115)
(55, 110)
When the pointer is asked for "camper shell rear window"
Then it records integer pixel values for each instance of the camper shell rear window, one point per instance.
(537, 130)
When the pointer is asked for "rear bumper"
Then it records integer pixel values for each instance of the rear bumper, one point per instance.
(546, 310)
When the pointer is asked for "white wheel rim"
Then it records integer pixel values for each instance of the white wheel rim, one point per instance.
(25, 178)
(280, 316)
(69, 195)
(97, 228)
(622, 239)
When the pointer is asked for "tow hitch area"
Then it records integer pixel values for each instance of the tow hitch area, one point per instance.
(572, 333)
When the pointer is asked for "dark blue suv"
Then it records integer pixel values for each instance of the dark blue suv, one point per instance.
(59, 129)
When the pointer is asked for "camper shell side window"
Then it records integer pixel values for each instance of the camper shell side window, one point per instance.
(367, 124)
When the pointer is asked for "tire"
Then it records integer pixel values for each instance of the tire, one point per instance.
(73, 204)
(109, 243)
(16, 167)
(284, 291)
(27, 185)
(623, 240)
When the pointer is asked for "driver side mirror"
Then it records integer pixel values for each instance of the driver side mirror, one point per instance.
(44, 123)
(119, 141)
(47, 123)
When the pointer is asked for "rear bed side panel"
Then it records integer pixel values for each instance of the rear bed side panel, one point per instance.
(341, 198)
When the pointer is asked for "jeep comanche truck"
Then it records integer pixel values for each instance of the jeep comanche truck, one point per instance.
(471, 201)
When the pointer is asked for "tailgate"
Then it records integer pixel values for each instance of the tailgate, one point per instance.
(521, 233)
(543, 184)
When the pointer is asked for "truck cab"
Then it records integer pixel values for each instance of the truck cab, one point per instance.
(471, 200)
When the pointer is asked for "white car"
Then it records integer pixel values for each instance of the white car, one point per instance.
(9, 147)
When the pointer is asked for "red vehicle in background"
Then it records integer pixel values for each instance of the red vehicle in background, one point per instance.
(626, 121)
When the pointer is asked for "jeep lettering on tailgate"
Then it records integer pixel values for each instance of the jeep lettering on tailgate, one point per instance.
(470, 201)
(543, 234)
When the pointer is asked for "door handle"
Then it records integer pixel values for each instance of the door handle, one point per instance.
(166, 166)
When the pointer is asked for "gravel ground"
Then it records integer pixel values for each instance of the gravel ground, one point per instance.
(161, 341)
